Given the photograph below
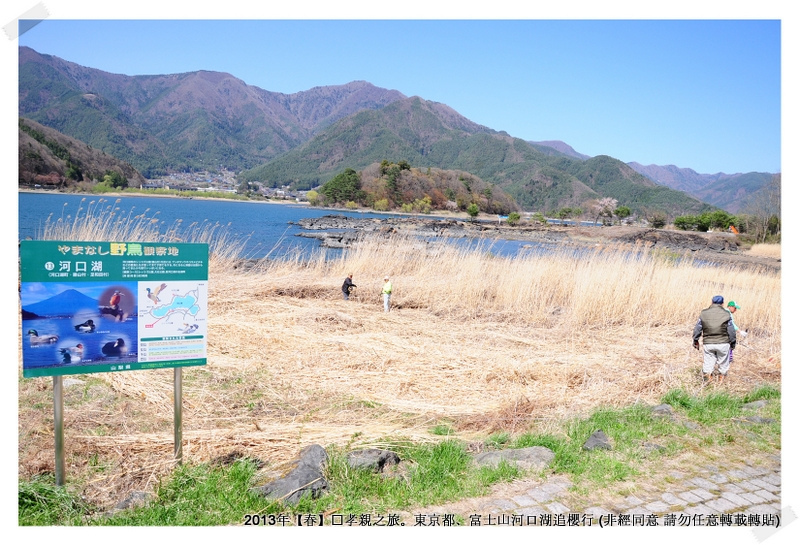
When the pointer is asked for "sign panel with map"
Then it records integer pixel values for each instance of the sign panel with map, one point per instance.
(91, 307)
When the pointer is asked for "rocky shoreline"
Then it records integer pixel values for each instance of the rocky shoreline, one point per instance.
(339, 231)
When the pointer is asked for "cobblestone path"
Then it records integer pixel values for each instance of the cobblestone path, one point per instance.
(744, 495)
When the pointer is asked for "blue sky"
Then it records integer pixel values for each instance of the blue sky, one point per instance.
(700, 94)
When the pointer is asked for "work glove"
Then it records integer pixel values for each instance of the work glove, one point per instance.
(696, 345)
(742, 333)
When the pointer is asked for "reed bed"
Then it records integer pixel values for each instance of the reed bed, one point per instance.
(766, 250)
(611, 285)
(101, 219)
(480, 342)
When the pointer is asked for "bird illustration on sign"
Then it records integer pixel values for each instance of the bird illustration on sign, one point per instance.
(71, 354)
(37, 339)
(86, 327)
(153, 294)
(115, 349)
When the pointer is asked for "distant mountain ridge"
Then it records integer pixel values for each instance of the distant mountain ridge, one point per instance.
(561, 147)
(67, 303)
(195, 120)
(409, 128)
(209, 120)
(727, 191)
(426, 133)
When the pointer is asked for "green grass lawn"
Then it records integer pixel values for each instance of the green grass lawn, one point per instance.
(434, 473)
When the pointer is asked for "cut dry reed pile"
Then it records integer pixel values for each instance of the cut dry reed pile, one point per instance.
(475, 340)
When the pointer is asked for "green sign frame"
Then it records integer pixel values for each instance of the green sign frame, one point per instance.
(99, 306)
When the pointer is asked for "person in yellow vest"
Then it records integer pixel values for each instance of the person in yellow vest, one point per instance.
(387, 293)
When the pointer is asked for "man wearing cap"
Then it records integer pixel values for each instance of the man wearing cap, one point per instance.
(732, 308)
(715, 325)
(387, 293)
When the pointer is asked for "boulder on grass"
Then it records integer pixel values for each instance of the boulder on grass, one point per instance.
(598, 440)
(373, 459)
(537, 458)
(305, 478)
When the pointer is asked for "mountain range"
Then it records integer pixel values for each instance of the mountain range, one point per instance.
(67, 303)
(210, 120)
(731, 192)
(49, 157)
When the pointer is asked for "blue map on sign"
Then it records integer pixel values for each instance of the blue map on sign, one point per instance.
(174, 308)
(180, 303)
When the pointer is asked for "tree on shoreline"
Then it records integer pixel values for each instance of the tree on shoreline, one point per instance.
(473, 211)
(343, 188)
(605, 208)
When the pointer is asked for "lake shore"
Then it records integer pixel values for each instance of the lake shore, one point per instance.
(446, 214)
(478, 344)
(722, 247)
(337, 231)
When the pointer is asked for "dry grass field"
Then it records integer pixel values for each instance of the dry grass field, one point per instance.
(476, 341)
(766, 250)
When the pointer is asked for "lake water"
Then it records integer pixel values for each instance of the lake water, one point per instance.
(267, 227)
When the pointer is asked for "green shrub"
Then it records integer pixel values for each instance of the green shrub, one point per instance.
(313, 198)
(423, 205)
(539, 218)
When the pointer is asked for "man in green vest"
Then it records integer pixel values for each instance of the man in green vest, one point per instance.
(719, 338)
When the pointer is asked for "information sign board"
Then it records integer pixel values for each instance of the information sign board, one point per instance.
(91, 307)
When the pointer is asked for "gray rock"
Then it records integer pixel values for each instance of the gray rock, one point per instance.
(338, 231)
(662, 410)
(755, 404)
(598, 440)
(759, 420)
(136, 498)
(305, 477)
(653, 447)
(373, 459)
(536, 458)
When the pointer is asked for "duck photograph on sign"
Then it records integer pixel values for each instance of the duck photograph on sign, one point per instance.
(71, 326)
